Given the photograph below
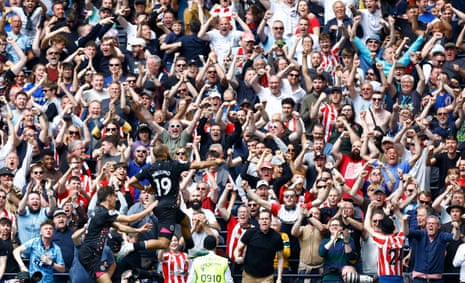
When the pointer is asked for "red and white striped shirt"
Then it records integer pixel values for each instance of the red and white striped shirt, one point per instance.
(390, 248)
(328, 120)
(235, 233)
(175, 267)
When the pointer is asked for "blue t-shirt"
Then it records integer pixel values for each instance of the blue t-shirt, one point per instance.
(34, 249)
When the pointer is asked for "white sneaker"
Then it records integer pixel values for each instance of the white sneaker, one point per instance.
(126, 248)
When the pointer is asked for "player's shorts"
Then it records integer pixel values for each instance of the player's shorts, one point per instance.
(91, 261)
(168, 217)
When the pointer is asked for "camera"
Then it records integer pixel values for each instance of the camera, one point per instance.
(357, 278)
(24, 277)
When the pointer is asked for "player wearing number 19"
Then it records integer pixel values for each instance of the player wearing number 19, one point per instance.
(164, 176)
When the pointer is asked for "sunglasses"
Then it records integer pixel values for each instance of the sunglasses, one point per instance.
(289, 196)
(130, 81)
(74, 133)
(182, 89)
(202, 188)
(321, 187)
(211, 72)
(443, 113)
(175, 126)
(38, 172)
(278, 28)
(370, 73)
(114, 65)
(180, 152)
(141, 151)
(181, 65)
(53, 53)
(112, 129)
(425, 202)
(252, 205)
(376, 99)
(294, 75)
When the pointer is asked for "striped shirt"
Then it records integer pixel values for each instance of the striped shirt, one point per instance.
(390, 248)
(235, 233)
(175, 267)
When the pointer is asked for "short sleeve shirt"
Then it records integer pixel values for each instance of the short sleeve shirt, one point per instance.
(34, 249)
(164, 176)
(99, 227)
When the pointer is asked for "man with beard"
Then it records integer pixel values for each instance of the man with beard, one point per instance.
(350, 165)
(196, 206)
(62, 237)
(31, 214)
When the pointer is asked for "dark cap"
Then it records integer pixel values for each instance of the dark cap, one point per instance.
(105, 9)
(6, 171)
(192, 62)
(140, 2)
(379, 190)
(336, 89)
(58, 212)
(245, 102)
(147, 92)
(450, 207)
(450, 45)
(143, 127)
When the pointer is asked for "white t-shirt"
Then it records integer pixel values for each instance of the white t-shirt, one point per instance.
(221, 44)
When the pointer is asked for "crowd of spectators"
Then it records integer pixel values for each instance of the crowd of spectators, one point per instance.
(343, 118)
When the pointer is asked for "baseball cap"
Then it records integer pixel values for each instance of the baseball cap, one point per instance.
(248, 36)
(58, 212)
(147, 92)
(6, 171)
(262, 183)
(387, 139)
(105, 9)
(378, 190)
(267, 164)
(450, 45)
(143, 126)
(374, 37)
(214, 94)
(138, 41)
(437, 49)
